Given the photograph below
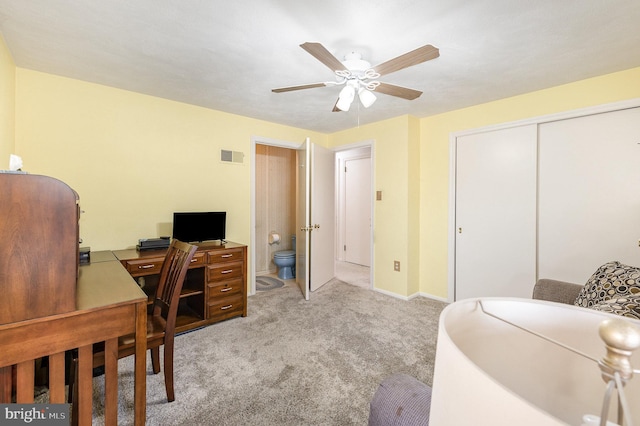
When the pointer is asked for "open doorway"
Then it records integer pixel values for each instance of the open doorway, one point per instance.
(354, 212)
(272, 204)
(358, 272)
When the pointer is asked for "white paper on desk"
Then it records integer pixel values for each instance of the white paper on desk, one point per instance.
(15, 163)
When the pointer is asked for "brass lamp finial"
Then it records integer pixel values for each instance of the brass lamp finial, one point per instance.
(621, 339)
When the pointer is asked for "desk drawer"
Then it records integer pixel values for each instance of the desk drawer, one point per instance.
(225, 289)
(198, 260)
(228, 255)
(225, 308)
(148, 266)
(224, 272)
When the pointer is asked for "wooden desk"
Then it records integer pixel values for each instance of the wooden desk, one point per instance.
(109, 304)
(215, 288)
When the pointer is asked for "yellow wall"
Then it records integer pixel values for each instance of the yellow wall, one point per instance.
(434, 154)
(135, 159)
(7, 102)
(128, 154)
(391, 214)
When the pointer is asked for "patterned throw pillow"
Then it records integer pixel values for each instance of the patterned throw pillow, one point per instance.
(611, 281)
(625, 306)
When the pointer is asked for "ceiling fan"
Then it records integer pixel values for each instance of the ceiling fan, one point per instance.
(359, 77)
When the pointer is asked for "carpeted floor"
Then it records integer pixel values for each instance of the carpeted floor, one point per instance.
(290, 361)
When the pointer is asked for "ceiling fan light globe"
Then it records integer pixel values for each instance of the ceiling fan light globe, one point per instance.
(347, 94)
(343, 105)
(367, 98)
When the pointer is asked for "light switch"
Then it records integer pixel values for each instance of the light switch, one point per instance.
(378, 195)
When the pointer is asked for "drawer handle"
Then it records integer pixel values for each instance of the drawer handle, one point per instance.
(194, 260)
(224, 308)
(226, 255)
(226, 271)
(146, 266)
(223, 290)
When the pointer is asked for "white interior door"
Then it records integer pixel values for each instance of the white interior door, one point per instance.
(589, 194)
(357, 210)
(303, 218)
(323, 216)
(315, 225)
(495, 245)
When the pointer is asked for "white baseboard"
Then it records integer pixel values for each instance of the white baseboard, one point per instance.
(413, 296)
(430, 296)
(388, 293)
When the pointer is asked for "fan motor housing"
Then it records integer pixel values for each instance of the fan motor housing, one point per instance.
(353, 62)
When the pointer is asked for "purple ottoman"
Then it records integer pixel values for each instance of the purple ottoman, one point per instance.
(400, 400)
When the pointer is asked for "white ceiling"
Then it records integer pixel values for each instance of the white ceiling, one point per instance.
(228, 55)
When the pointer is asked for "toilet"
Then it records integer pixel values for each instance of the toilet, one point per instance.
(285, 260)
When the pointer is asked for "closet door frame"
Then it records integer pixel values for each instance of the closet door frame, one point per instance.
(610, 107)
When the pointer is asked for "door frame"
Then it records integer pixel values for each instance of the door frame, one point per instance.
(370, 143)
(581, 112)
(341, 193)
(258, 140)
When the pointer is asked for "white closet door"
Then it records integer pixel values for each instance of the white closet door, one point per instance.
(589, 194)
(496, 213)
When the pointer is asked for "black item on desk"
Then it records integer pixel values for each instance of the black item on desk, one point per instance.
(85, 255)
(153, 243)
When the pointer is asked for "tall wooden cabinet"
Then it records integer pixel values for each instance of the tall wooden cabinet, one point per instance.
(39, 250)
(51, 305)
(215, 288)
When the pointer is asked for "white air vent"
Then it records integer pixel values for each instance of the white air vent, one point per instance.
(231, 156)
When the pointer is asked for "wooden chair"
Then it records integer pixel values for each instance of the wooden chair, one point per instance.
(161, 322)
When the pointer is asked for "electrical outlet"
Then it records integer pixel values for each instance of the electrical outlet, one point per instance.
(396, 265)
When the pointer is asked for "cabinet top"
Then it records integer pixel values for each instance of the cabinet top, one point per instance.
(128, 254)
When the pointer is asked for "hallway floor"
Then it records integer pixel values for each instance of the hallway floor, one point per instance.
(349, 273)
(353, 274)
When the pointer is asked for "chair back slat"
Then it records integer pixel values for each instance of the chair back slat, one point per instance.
(172, 277)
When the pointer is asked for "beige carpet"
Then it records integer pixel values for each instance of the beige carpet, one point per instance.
(291, 362)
